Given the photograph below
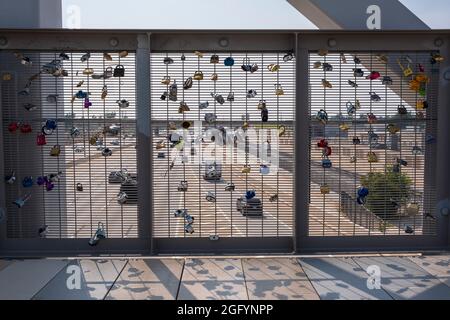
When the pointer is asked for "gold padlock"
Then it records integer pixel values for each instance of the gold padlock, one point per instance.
(160, 145)
(422, 78)
(165, 80)
(198, 75)
(55, 150)
(325, 189)
(7, 76)
(273, 67)
(317, 65)
(279, 90)
(326, 84)
(322, 52)
(246, 169)
(414, 85)
(88, 71)
(214, 77)
(344, 127)
(93, 140)
(198, 54)
(372, 157)
(281, 130)
(104, 92)
(407, 71)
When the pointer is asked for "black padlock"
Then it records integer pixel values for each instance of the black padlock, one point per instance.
(119, 71)
(264, 115)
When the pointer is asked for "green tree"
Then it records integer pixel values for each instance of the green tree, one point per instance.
(387, 192)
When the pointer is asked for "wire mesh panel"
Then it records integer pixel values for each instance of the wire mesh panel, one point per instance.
(69, 135)
(223, 144)
(373, 129)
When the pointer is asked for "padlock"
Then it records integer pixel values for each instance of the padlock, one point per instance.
(228, 62)
(27, 182)
(353, 159)
(357, 60)
(392, 128)
(373, 137)
(412, 209)
(327, 67)
(387, 81)
(99, 234)
(165, 80)
(214, 77)
(317, 65)
(11, 177)
(382, 58)
(401, 109)
(356, 141)
(372, 157)
(409, 230)
(264, 115)
(123, 54)
(322, 116)
(326, 163)
(374, 75)
(326, 84)
(326, 151)
(183, 186)
(251, 93)
(218, 98)
(281, 130)
(198, 75)
(323, 143)
(183, 107)
(421, 104)
(429, 139)
(13, 126)
(43, 231)
(250, 194)
(273, 67)
(288, 56)
(436, 57)
(198, 54)
(79, 187)
(351, 109)
(374, 97)
(210, 197)
(25, 128)
(188, 228)
(359, 73)
(414, 85)
(88, 71)
(422, 90)
(108, 73)
(343, 58)
(273, 198)
(353, 84)
(264, 169)
(81, 94)
(49, 186)
(214, 59)
(55, 151)
(41, 140)
(422, 78)
(246, 65)
(119, 71)
(322, 52)
(20, 202)
(106, 152)
(344, 127)
(371, 118)
(246, 169)
(210, 118)
(40, 181)
(107, 56)
(160, 145)
(407, 71)
(362, 194)
(122, 197)
(104, 92)
(79, 84)
(49, 127)
(87, 103)
(123, 103)
(230, 187)
(168, 60)
(262, 105)
(324, 189)
(417, 151)
(189, 219)
(180, 213)
(85, 57)
(6, 76)
(279, 90)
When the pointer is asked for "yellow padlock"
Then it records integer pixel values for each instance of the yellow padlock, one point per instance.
(326, 84)
(7, 76)
(421, 78)
(246, 169)
(281, 130)
(372, 157)
(414, 85)
(325, 189)
(344, 127)
(407, 71)
(166, 80)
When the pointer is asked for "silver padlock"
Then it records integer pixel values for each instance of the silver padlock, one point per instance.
(99, 234)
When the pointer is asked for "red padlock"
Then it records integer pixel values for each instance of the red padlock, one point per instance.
(41, 140)
(13, 126)
(326, 152)
(371, 118)
(322, 143)
(374, 75)
(25, 128)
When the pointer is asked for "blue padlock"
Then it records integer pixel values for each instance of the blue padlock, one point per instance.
(228, 62)
(27, 182)
(51, 124)
(81, 94)
(250, 194)
(362, 193)
(326, 163)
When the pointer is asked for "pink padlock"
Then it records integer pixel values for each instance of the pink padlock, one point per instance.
(374, 75)
(41, 140)
(87, 103)
(371, 118)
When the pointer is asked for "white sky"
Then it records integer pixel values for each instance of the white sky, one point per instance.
(219, 14)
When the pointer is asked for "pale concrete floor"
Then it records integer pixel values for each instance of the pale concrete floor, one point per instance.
(281, 278)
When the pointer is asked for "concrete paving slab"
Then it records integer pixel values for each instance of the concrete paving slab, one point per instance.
(438, 266)
(96, 278)
(277, 279)
(148, 280)
(213, 279)
(339, 279)
(22, 279)
(4, 264)
(404, 279)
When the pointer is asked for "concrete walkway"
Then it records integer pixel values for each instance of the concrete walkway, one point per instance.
(281, 278)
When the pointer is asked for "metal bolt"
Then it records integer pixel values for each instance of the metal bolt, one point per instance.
(438, 42)
(445, 211)
(3, 41)
(113, 42)
(447, 75)
(223, 42)
(332, 43)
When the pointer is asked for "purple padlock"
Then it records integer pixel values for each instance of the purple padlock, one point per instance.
(49, 186)
(41, 180)
(87, 103)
